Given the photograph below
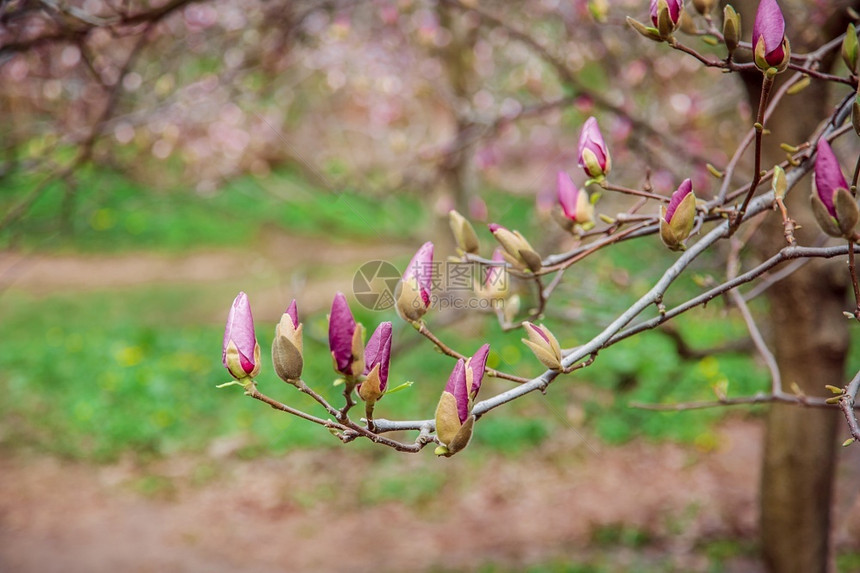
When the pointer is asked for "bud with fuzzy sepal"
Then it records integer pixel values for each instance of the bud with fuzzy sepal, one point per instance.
(666, 15)
(855, 113)
(240, 353)
(771, 48)
(649, 32)
(677, 218)
(346, 341)
(377, 356)
(464, 233)
(850, 49)
(731, 28)
(832, 204)
(454, 420)
(544, 345)
(517, 249)
(413, 295)
(593, 154)
(287, 346)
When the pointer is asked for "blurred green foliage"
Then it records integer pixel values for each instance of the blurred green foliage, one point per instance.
(110, 213)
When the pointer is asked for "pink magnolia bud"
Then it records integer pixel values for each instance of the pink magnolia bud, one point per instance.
(240, 353)
(832, 204)
(287, 346)
(673, 10)
(593, 154)
(574, 202)
(345, 339)
(377, 356)
(770, 46)
(475, 367)
(454, 420)
(678, 218)
(413, 300)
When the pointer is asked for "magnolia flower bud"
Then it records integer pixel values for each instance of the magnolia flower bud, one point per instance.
(593, 154)
(413, 296)
(647, 31)
(779, 183)
(574, 202)
(475, 367)
(834, 208)
(770, 46)
(850, 48)
(454, 420)
(665, 15)
(240, 353)
(731, 28)
(677, 219)
(287, 346)
(346, 340)
(464, 233)
(544, 345)
(517, 249)
(377, 355)
(855, 114)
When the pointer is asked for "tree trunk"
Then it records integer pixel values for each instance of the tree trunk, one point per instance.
(809, 337)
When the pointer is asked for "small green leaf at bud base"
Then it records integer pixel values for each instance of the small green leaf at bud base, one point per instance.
(847, 442)
(464, 233)
(731, 28)
(850, 48)
(647, 31)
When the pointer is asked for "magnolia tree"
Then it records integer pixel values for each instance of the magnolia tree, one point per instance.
(688, 224)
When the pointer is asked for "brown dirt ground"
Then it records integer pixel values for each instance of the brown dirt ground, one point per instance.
(304, 511)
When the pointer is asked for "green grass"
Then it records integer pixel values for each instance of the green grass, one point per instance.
(112, 213)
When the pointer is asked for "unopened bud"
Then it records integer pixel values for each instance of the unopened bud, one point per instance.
(855, 114)
(779, 184)
(287, 346)
(544, 345)
(850, 48)
(517, 249)
(677, 218)
(647, 31)
(731, 28)
(464, 233)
